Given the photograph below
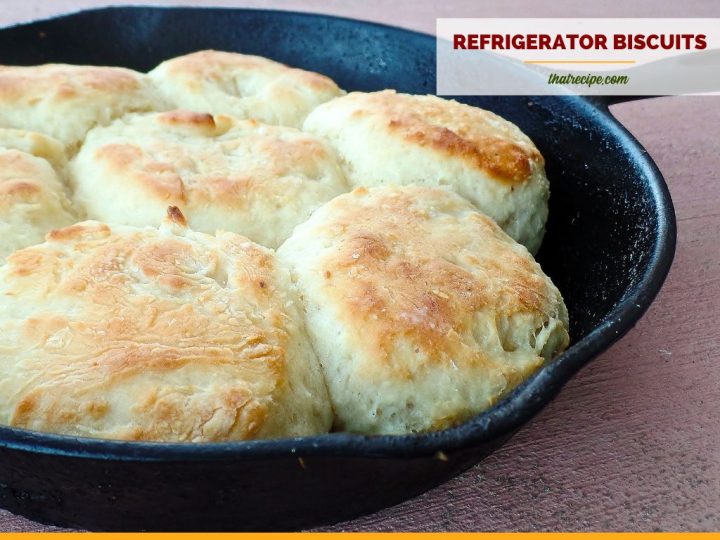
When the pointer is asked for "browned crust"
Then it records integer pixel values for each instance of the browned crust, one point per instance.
(219, 64)
(20, 190)
(63, 82)
(205, 123)
(79, 231)
(235, 326)
(429, 301)
(176, 216)
(391, 275)
(502, 159)
(190, 175)
(159, 178)
(187, 117)
(479, 138)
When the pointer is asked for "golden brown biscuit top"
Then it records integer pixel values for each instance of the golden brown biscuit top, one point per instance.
(480, 138)
(217, 65)
(25, 179)
(411, 266)
(63, 82)
(98, 309)
(184, 157)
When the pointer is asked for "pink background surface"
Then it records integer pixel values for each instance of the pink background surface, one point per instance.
(633, 441)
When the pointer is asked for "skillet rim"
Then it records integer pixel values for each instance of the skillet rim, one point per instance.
(516, 409)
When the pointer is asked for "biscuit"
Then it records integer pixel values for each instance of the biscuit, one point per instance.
(244, 86)
(234, 175)
(423, 312)
(65, 101)
(390, 138)
(155, 335)
(32, 195)
(37, 144)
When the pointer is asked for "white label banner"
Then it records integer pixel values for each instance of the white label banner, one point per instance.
(581, 56)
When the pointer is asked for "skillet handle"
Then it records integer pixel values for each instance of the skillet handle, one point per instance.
(605, 101)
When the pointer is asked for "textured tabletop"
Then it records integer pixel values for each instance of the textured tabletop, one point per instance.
(633, 441)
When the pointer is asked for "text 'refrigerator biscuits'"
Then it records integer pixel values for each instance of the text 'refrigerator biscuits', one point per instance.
(155, 335)
(224, 174)
(423, 312)
(65, 101)
(245, 86)
(390, 138)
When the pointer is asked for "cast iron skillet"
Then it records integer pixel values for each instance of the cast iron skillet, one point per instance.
(609, 245)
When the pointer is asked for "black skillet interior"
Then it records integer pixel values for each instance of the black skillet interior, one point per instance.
(609, 244)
